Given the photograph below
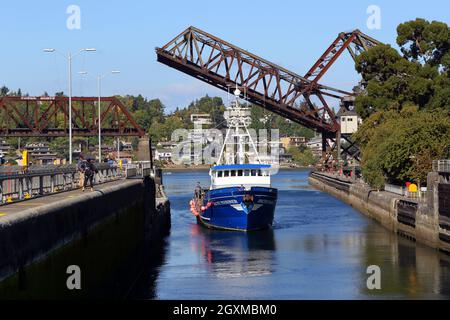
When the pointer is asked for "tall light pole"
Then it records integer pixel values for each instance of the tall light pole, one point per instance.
(99, 79)
(99, 88)
(118, 149)
(70, 58)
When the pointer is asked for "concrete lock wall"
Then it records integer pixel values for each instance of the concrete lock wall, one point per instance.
(108, 234)
(419, 221)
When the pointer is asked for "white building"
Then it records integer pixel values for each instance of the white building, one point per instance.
(201, 119)
(5, 148)
(349, 121)
(315, 144)
(167, 145)
(163, 155)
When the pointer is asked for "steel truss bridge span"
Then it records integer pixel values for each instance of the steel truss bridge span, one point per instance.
(49, 117)
(301, 99)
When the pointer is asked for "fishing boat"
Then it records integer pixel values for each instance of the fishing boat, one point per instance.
(240, 196)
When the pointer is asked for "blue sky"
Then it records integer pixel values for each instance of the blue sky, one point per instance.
(125, 33)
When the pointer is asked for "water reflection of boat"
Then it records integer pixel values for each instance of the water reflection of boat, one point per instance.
(235, 254)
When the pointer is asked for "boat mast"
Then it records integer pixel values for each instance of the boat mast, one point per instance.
(237, 119)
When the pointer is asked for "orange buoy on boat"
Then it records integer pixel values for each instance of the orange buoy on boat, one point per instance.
(193, 208)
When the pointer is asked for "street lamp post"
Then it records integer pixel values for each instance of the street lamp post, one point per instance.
(99, 80)
(118, 149)
(70, 58)
(99, 89)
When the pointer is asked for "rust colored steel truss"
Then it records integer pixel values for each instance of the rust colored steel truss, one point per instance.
(355, 42)
(49, 117)
(261, 82)
(300, 99)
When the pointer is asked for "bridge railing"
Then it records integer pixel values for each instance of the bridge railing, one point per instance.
(420, 195)
(19, 183)
(138, 169)
(394, 189)
(441, 165)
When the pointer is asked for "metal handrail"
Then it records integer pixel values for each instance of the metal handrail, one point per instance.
(138, 169)
(394, 189)
(19, 183)
(441, 165)
(403, 191)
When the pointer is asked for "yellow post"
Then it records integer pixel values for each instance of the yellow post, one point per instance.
(25, 158)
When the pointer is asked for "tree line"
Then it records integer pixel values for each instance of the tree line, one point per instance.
(405, 104)
(158, 123)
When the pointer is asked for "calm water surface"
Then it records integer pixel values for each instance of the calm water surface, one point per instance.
(319, 248)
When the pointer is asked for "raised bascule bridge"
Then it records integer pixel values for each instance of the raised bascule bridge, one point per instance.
(301, 99)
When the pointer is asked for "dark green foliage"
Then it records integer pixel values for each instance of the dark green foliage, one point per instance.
(426, 42)
(399, 147)
(419, 77)
(406, 104)
(263, 119)
(303, 157)
(150, 115)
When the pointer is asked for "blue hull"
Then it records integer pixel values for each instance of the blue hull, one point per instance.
(236, 209)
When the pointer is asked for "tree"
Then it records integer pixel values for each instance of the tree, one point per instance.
(211, 105)
(406, 104)
(144, 111)
(4, 91)
(303, 158)
(263, 119)
(425, 42)
(171, 123)
(60, 145)
(157, 131)
(419, 77)
(399, 146)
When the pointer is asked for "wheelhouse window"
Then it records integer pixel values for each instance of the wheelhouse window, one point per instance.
(239, 173)
(259, 172)
(219, 174)
(233, 173)
(226, 173)
(247, 173)
(253, 173)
